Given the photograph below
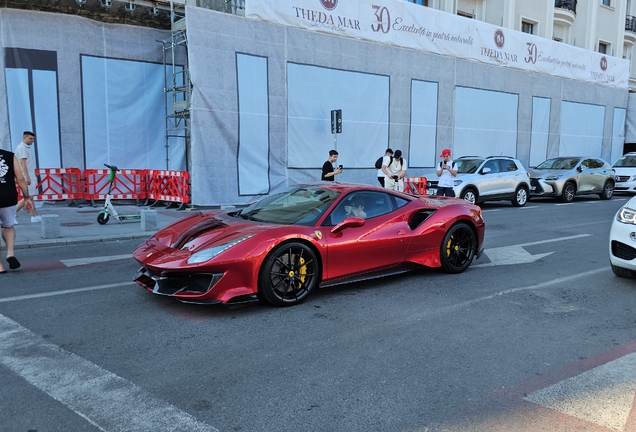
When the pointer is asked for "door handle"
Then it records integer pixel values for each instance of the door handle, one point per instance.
(401, 232)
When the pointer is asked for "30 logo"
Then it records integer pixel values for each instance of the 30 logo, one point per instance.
(500, 39)
(383, 18)
(603, 64)
(532, 53)
(329, 4)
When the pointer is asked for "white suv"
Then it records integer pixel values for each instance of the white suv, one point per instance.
(492, 178)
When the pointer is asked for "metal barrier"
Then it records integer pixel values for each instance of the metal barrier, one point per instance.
(415, 185)
(128, 184)
(172, 186)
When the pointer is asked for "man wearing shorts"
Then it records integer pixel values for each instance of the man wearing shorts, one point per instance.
(10, 172)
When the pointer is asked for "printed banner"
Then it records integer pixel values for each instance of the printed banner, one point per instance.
(409, 25)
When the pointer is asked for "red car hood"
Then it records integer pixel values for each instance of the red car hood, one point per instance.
(207, 229)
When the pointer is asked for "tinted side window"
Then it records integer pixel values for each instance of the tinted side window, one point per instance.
(589, 163)
(507, 165)
(493, 164)
(400, 202)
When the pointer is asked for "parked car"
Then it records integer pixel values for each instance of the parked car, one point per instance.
(492, 178)
(565, 177)
(318, 234)
(622, 241)
(625, 169)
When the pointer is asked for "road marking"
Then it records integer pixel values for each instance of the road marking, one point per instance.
(85, 261)
(516, 254)
(69, 291)
(564, 204)
(603, 395)
(104, 399)
(528, 207)
(491, 210)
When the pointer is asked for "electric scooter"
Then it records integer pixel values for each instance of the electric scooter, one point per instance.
(109, 209)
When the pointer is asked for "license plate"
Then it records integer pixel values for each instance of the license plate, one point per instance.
(431, 191)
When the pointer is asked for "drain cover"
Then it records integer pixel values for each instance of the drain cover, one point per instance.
(68, 224)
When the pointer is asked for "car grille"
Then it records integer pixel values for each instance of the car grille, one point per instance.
(171, 284)
(620, 178)
(536, 186)
(622, 251)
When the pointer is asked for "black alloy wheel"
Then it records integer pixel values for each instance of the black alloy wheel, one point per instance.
(608, 191)
(288, 274)
(569, 190)
(521, 197)
(458, 248)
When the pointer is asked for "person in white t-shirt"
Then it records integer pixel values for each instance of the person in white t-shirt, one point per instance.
(385, 161)
(27, 166)
(446, 170)
(395, 171)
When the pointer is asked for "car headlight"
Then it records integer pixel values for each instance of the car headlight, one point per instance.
(457, 182)
(632, 178)
(554, 177)
(626, 216)
(208, 254)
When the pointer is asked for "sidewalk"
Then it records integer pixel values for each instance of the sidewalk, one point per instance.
(79, 224)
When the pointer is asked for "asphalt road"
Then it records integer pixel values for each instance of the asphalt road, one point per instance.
(537, 335)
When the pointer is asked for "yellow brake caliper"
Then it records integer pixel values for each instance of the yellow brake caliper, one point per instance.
(303, 271)
(449, 246)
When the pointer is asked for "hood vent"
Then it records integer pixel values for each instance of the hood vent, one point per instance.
(197, 230)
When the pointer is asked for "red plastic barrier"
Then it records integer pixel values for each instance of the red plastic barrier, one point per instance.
(128, 184)
(415, 185)
(170, 186)
(57, 184)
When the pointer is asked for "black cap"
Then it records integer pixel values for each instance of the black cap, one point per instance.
(397, 154)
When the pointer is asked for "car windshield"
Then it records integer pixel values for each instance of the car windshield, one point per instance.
(468, 166)
(626, 161)
(292, 206)
(559, 164)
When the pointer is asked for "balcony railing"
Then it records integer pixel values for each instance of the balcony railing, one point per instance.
(566, 4)
(630, 23)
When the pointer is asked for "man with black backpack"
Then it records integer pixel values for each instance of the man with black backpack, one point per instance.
(383, 160)
(395, 172)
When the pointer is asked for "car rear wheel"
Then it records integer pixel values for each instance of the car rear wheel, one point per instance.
(288, 274)
(458, 248)
(608, 191)
(622, 272)
(569, 190)
(469, 194)
(521, 197)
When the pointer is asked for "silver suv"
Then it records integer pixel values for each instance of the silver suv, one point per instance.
(492, 178)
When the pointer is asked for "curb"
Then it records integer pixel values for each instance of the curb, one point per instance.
(80, 240)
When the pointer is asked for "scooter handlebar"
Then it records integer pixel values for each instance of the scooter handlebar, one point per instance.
(111, 167)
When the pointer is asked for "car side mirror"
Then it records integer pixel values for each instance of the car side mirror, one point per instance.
(350, 222)
(579, 168)
(485, 170)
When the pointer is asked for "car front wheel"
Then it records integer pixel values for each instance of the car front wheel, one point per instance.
(288, 274)
(608, 191)
(458, 248)
(622, 272)
(569, 190)
(521, 197)
(469, 195)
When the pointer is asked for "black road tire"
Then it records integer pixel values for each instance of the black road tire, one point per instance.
(102, 218)
(458, 248)
(521, 197)
(288, 274)
(608, 191)
(622, 272)
(568, 192)
(470, 195)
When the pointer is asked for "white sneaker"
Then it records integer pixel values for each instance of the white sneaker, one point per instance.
(15, 221)
(36, 219)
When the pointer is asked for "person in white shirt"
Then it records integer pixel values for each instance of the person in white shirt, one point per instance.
(385, 161)
(446, 170)
(27, 166)
(394, 172)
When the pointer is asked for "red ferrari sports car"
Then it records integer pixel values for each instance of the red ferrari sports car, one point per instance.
(318, 234)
